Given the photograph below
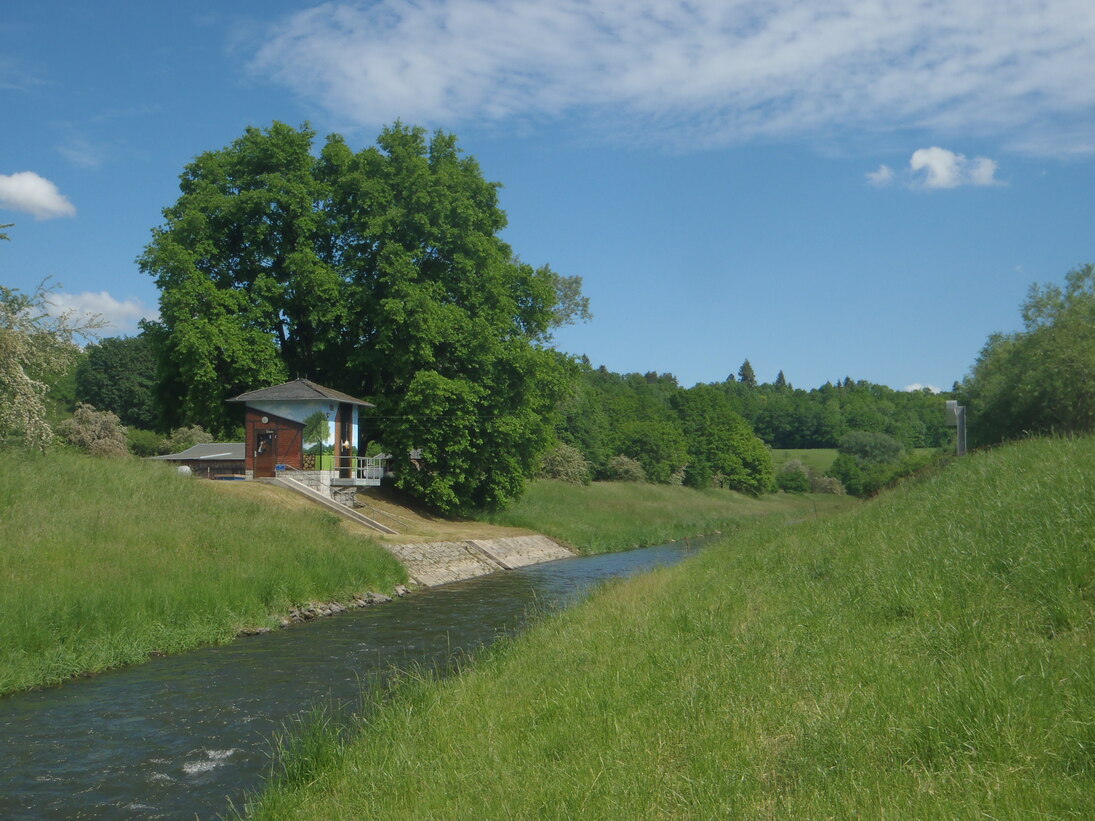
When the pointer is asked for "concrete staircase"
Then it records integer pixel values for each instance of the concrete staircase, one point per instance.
(328, 502)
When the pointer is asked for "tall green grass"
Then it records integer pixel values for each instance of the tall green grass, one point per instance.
(105, 562)
(929, 655)
(608, 516)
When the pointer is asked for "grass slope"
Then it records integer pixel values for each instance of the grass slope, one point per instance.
(928, 655)
(608, 516)
(105, 562)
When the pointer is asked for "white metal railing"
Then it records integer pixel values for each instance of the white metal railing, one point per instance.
(360, 467)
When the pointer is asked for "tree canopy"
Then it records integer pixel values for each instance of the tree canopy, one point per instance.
(1042, 379)
(118, 374)
(646, 425)
(379, 273)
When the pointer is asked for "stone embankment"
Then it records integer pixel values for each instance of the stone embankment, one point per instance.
(434, 563)
(315, 610)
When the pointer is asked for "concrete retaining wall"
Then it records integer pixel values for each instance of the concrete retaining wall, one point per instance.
(434, 563)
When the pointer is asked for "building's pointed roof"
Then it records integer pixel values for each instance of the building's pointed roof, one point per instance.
(299, 390)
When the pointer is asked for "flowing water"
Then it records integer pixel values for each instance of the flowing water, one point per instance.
(189, 736)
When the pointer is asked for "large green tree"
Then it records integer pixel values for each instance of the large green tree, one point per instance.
(379, 273)
(722, 448)
(118, 374)
(1041, 379)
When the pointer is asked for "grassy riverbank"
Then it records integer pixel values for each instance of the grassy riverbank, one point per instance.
(608, 516)
(927, 655)
(105, 562)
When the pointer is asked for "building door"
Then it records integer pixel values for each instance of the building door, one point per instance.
(266, 452)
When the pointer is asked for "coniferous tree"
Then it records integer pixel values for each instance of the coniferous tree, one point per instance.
(746, 375)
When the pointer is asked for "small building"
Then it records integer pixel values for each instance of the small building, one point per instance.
(274, 444)
(210, 461)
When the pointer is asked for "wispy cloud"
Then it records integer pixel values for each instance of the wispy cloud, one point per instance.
(15, 76)
(883, 176)
(938, 168)
(120, 315)
(707, 71)
(27, 192)
(82, 153)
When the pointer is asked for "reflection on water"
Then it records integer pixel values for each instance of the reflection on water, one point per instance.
(183, 737)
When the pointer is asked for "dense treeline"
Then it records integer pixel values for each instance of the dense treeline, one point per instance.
(693, 437)
(714, 434)
(786, 417)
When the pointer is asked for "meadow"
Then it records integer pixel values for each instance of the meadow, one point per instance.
(818, 460)
(928, 654)
(108, 562)
(606, 516)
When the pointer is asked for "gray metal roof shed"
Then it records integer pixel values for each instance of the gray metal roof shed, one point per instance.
(213, 451)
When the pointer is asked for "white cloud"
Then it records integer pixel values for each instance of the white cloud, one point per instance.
(942, 168)
(982, 171)
(916, 386)
(703, 72)
(120, 315)
(939, 168)
(26, 191)
(882, 177)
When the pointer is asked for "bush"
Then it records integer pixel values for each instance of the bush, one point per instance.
(659, 446)
(99, 433)
(864, 478)
(870, 446)
(144, 442)
(793, 477)
(565, 463)
(183, 438)
(826, 484)
(625, 469)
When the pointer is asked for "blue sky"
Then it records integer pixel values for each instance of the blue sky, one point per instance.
(860, 188)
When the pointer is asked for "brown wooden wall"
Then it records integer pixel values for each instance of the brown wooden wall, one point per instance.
(289, 444)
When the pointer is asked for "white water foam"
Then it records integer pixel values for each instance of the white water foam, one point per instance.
(212, 760)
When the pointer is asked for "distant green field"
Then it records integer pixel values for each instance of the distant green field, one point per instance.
(818, 459)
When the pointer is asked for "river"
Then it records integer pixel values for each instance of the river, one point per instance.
(188, 736)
